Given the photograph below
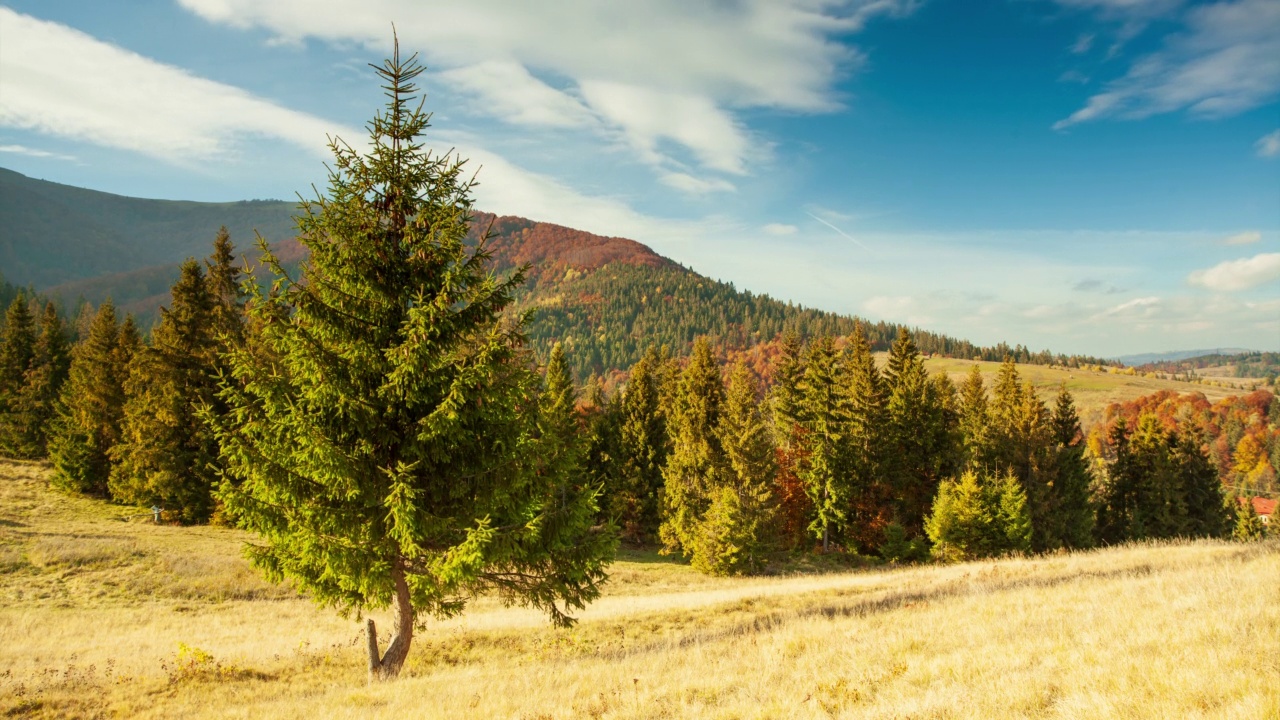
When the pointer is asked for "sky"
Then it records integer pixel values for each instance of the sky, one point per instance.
(1087, 176)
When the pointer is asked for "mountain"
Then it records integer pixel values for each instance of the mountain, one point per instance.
(605, 298)
(1146, 358)
(55, 233)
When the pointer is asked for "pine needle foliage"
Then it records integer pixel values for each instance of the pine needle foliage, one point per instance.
(382, 435)
(697, 465)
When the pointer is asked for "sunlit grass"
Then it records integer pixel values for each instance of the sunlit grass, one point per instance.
(102, 617)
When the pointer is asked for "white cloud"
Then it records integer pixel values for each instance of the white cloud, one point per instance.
(1245, 238)
(62, 82)
(648, 116)
(780, 229)
(1239, 274)
(660, 71)
(507, 89)
(34, 152)
(1268, 145)
(1227, 61)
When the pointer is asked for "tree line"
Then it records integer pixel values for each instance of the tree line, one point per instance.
(837, 454)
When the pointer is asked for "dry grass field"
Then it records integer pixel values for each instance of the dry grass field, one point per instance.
(106, 617)
(1093, 390)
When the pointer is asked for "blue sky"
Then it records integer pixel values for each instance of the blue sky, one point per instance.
(1096, 176)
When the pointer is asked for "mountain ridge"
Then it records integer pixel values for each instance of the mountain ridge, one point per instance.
(607, 298)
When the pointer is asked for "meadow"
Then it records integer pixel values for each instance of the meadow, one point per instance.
(1093, 390)
(107, 615)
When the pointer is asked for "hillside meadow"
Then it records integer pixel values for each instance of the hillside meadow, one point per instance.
(1093, 390)
(107, 615)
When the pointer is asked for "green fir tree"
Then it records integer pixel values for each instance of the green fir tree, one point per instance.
(382, 435)
(91, 405)
(697, 465)
(166, 455)
(740, 524)
(26, 431)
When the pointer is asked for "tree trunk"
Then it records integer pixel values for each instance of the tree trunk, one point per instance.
(388, 666)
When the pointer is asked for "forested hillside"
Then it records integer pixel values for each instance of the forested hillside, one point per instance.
(606, 298)
(56, 233)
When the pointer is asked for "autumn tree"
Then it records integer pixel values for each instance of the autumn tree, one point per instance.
(383, 441)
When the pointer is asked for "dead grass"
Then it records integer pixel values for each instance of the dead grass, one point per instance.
(186, 630)
(1093, 391)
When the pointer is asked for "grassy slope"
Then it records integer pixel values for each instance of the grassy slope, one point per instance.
(93, 608)
(1093, 391)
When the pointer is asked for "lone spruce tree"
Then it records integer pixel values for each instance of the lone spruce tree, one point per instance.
(382, 428)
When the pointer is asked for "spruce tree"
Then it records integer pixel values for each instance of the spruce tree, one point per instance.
(223, 278)
(642, 453)
(738, 528)
(167, 456)
(919, 439)
(784, 395)
(382, 432)
(870, 514)
(822, 465)
(91, 405)
(16, 354)
(33, 409)
(1248, 527)
(1073, 513)
(603, 457)
(978, 516)
(975, 422)
(1205, 500)
(697, 465)
(560, 432)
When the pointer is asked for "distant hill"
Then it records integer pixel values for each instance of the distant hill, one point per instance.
(1146, 358)
(606, 298)
(55, 233)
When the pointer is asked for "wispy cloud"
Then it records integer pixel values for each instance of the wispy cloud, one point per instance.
(34, 152)
(1245, 238)
(670, 78)
(1226, 61)
(1268, 146)
(1083, 43)
(1239, 274)
(842, 233)
(780, 229)
(62, 82)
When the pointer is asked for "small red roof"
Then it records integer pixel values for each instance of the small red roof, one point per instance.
(1262, 506)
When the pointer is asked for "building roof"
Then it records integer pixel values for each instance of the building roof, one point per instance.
(1263, 506)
